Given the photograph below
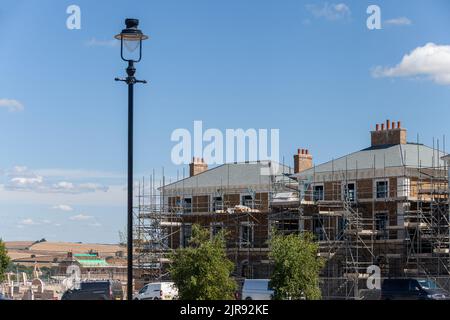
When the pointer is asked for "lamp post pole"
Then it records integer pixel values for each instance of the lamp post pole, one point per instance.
(130, 34)
(130, 81)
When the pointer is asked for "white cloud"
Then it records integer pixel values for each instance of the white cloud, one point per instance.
(115, 196)
(12, 105)
(20, 169)
(90, 187)
(22, 179)
(80, 217)
(95, 225)
(330, 11)
(64, 186)
(400, 21)
(94, 42)
(430, 61)
(27, 222)
(63, 207)
(79, 174)
(31, 222)
(26, 182)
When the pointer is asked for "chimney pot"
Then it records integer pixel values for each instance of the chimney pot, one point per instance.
(395, 134)
(399, 124)
(197, 166)
(377, 127)
(299, 151)
(302, 160)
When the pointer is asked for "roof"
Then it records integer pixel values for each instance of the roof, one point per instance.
(84, 255)
(410, 155)
(234, 175)
(36, 259)
(93, 262)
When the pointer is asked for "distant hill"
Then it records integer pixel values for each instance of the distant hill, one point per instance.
(18, 245)
(64, 247)
(26, 249)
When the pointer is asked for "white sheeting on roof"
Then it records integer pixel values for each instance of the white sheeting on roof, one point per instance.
(234, 174)
(410, 155)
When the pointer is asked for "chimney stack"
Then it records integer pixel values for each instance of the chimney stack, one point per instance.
(302, 160)
(197, 166)
(391, 136)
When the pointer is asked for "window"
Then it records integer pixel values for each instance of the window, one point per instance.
(247, 200)
(143, 290)
(246, 235)
(350, 192)
(414, 285)
(381, 189)
(403, 187)
(187, 205)
(427, 284)
(318, 228)
(381, 224)
(286, 226)
(186, 235)
(341, 225)
(318, 193)
(217, 203)
(216, 228)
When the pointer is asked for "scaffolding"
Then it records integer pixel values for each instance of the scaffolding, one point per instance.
(404, 232)
(163, 223)
(403, 229)
(154, 229)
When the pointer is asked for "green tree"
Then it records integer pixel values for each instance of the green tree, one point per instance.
(296, 267)
(4, 260)
(202, 270)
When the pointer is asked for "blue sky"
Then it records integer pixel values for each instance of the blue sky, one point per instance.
(304, 67)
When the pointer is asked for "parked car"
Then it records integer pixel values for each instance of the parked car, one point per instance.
(158, 291)
(412, 289)
(257, 289)
(95, 290)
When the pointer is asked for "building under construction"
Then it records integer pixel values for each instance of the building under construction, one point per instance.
(383, 206)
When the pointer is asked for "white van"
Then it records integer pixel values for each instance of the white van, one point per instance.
(158, 291)
(256, 289)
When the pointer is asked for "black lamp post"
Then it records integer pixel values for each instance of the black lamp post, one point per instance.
(131, 38)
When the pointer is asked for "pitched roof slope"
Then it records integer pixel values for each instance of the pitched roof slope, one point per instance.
(233, 175)
(410, 155)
